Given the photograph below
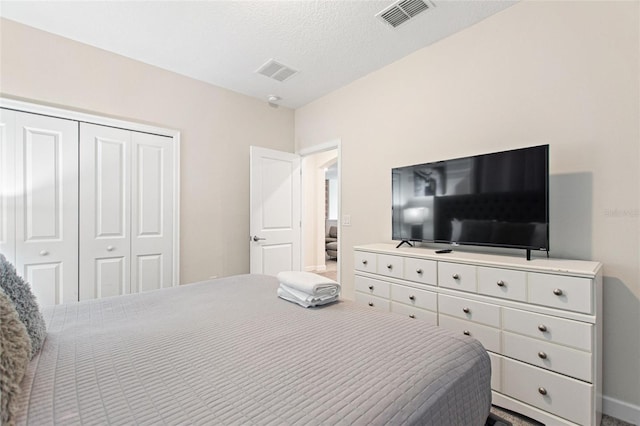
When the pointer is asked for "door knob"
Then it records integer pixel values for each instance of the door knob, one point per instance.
(256, 238)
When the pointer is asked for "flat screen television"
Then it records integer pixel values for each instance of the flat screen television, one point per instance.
(499, 199)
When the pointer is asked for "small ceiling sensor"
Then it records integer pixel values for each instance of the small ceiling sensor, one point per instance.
(272, 100)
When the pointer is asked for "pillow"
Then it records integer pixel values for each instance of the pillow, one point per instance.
(15, 350)
(24, 302)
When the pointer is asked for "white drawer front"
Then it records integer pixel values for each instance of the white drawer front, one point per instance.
(421, 270)
(496, 372)
(365, 261)
(565, 397)
(370, 286)
(414, 297)
(503, 283)
(390, 266)
(457, 276)
(488, 336)
(415, 313)
(372, 301)
(471, 310)
(561, 359)
(551, 329)
(563, 292)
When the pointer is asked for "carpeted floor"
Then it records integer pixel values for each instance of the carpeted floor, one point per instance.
(516, 419)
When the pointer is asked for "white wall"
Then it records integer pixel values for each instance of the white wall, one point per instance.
(562, 73)
(217, 127)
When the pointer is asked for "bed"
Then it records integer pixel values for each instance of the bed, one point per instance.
(228, 351)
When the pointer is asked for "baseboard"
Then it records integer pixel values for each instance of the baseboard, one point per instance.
(621, 410)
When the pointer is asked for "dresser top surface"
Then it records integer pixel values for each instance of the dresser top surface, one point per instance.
(559, 266)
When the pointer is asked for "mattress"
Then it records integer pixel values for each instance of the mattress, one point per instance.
(228, 351)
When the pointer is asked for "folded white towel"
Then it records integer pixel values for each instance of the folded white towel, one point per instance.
(304, 299)
(308, 282)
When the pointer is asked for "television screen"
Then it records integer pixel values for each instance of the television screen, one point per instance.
(498, 199)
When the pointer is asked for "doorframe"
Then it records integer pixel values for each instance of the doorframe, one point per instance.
(70, 114)
(316, 149)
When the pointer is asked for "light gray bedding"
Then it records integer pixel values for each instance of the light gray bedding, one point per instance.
(229, 351)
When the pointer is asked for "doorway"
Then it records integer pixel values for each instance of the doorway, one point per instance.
(321, 212)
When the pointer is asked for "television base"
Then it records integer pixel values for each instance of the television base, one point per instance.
(404, 242)
(528, 254)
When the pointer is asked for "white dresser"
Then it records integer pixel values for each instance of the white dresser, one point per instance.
(540, 320)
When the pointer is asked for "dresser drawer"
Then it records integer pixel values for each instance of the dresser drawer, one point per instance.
(479, 312)
(551, 329)
(488, 336)
(503, 283)
(560, 395)
(390, 266)
(563, 292)
(414, 297)
(457, 276)
(370, 286)
(416, 313)
(496, 371)
(365, 261)
(560, 359)
(421, 270)
(373, 302)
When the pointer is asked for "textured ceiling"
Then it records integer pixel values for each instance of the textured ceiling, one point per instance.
(330, 43)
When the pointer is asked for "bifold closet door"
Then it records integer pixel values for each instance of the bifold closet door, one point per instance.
(7, 185)
(151, 212)
(126, 211)
(105, 211)
(45, 199)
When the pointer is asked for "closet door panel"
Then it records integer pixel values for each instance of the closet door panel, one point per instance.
(7, 185)
(46, 205)
(152, 212)
(105, 209)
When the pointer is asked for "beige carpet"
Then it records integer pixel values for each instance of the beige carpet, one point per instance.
(519, 420)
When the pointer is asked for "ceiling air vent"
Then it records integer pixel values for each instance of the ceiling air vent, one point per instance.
(276, 70)
(401, 11)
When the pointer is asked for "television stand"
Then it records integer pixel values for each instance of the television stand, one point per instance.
(541, 321)
(404, 242)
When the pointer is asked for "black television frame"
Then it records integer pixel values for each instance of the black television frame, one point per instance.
(447, 208)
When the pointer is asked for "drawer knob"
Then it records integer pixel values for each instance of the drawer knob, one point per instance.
(412, 297)
(419, 271)
(466, 310)
(542, 355)
(542, 391)
(466, 333)
(44, 253)
(542, 327)
(389, 266)
(370, 303)
(371, 287)
(455, 276)
(365, 261)
(500, 283)
(412, 316)
(557, 291)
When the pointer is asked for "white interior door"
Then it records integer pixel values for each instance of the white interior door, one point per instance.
(46, 206)
(274, 211)
(7, 185)
(151, 212)
(105, 211)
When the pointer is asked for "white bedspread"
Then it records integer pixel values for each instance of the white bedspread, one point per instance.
(229, 351)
